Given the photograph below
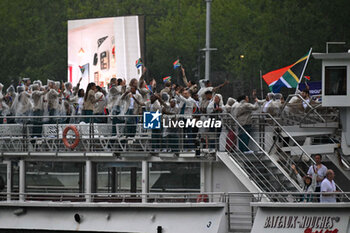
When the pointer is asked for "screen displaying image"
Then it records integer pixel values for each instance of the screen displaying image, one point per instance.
(110, 45)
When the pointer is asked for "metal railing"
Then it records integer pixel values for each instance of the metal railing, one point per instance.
(276, 139)
(314, 115)
(206, 197)
(257, 163)
(121, 133)
(280, 139)
(117, 197)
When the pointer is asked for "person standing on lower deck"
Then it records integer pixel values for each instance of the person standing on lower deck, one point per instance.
(328, 186)
(318, 169)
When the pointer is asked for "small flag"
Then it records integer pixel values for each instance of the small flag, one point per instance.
(101, 40)
(167, 79)
(307, 77)
(139, 63)
(149, 87)
(82, 69)
(176, 64)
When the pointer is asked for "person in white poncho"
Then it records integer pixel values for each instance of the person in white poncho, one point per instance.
(23, 105)
(53, 100)
(3, 105)
(38, 109)
(216, 106)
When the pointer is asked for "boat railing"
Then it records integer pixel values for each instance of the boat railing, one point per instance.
(312, 114)
(276, 139)
(79, 135)
(232, 198)
(279, 142)
(242, 146)
(164, 197)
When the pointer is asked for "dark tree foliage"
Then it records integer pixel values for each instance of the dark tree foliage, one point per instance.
(270, 34)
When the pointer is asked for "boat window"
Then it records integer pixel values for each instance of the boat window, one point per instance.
(54, 177)
(118, 177)
(3, 175)
(174, 177)
(335, 80)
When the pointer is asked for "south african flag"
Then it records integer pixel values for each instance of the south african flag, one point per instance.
(167, 79)
(176, 64)
(288, 76)
(139, 63)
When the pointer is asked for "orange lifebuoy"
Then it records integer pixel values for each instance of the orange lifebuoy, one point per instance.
(202, 198)
(77, 137)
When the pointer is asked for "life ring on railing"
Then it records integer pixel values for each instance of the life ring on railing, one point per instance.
(76, 140)
(202, 198)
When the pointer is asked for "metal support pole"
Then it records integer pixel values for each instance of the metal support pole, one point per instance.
(207, 42)
(210, 177)
(22, 179)
(9, 179)
(81, 177)
(145, 183)
(328, 43)
(202, 177)
(206, 177)
(88, 175)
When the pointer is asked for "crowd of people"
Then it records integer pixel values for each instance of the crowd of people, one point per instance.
(63, 103)
(319, 179)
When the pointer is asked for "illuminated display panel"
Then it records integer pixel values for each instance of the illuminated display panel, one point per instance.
(102, 48)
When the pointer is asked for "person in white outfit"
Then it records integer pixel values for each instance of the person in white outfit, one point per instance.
(216, 106)
(38, 110)
(186, 105)
(244, 117)
(328, 186)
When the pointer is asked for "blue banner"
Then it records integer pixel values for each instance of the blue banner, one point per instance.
(315, 88)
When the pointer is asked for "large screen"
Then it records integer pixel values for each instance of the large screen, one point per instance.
(102, 48)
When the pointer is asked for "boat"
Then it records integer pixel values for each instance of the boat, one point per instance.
(114, 182)
(97, 177)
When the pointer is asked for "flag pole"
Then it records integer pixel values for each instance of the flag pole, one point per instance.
(302, 73)
(261, 87)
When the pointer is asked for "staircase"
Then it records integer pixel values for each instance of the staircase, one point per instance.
(267, 172)
(319, 128)
(279, 142)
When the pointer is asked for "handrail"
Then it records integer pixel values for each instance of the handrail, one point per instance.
(222, 197)
(294, 141)
(109, 136)
(312, 109)
(265, 153)
(286, 132)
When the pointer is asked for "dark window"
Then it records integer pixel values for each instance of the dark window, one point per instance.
(175, 177)
(335, 80)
